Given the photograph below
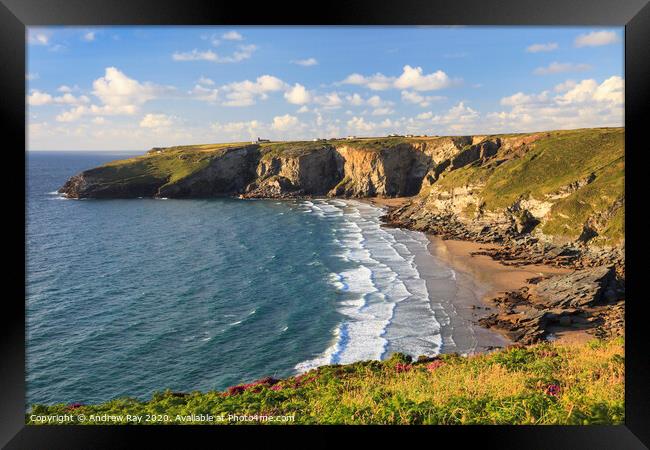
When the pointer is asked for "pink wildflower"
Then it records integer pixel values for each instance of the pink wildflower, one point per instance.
(403, 367)
(434, 365)
(553, 390)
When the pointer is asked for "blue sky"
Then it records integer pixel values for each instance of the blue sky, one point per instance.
(133, 88)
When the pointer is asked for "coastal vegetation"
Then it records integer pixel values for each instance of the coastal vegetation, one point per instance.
(546, 383)
(581, 172)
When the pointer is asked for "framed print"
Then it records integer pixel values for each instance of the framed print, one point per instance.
(385, 220)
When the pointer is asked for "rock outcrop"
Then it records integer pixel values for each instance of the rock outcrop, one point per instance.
(583, 299)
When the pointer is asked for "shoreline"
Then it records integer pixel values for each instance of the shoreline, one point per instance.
(491, 278)
(463, 306)
(457, 309)
(480, 279)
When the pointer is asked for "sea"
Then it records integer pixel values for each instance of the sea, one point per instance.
(129, 297)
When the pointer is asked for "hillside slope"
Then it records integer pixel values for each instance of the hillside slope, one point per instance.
(559, 186)
(543, 384)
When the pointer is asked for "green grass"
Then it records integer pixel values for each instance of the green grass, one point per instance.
(290, 149)
(549, 165)
(168, 165)
(375, 144)
(544, 384)
(568, 214)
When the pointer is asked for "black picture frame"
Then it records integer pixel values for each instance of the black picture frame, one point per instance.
(16, 15)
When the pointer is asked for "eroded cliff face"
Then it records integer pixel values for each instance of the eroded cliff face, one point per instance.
(384, 169)
(227, 174)
(311, 172)
(393, 172)
(555, 187)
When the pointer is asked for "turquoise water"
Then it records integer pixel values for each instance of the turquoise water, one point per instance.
(129, 297)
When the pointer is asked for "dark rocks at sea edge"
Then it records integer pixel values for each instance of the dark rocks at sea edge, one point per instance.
(587, 299)
(513, 247)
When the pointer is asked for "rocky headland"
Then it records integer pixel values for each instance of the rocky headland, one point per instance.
(553, 198)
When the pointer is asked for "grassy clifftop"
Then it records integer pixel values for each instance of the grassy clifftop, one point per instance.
(543, 384)
(580, 173)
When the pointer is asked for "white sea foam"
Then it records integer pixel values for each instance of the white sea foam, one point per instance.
(384, 301)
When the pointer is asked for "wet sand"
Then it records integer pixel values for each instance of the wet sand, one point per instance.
(458, 306)
(489, 278)
(395, 202)
(493, 277)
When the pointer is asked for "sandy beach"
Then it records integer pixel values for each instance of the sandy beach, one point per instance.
(489, 278)
(493, 277)
(478, 279)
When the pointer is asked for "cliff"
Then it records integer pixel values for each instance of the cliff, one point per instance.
(557, 187)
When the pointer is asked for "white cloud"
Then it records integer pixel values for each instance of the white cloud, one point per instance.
(382, 111)
(31, 76)
(375, 101)
(232, 36)
(376, 82)
(596, 38)
(242, 53)
(38, 38)
(237, 128)
(556, 67)
(117, 90)
(245, 93)
(548, 47)
(298, 95)
(303, 109)
(354, 99)
(611, 90)
(195, 55)
(583, 104)
(38, 98)
(205, 81)
(564, 86)
(422, 100)
(411, 78)
(457, 117)
(331, 100)
(156, 121)
(286, 122)
(520, 98)
(200, 92)
(359, 124)
(119, 94)
(99, 120)
(71, 115)
(89, 36)
(306, 62)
